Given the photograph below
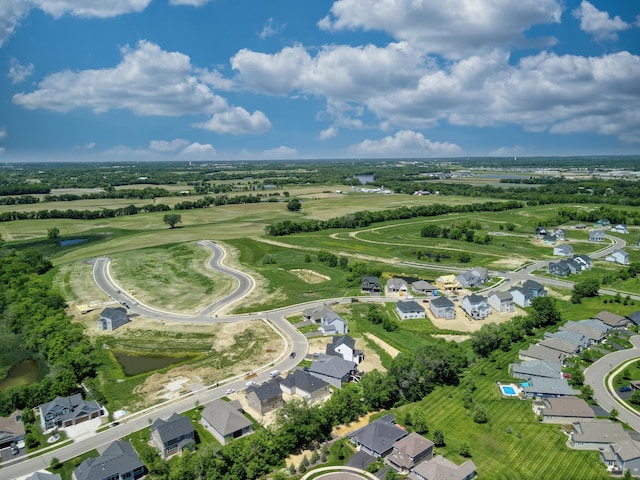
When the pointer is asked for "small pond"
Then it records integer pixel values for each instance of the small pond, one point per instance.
(134, 364)
(22, 373)
(74, 241)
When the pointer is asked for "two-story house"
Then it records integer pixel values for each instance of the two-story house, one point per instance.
(172, 435)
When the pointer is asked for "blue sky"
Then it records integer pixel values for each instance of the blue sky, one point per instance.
(88, 80)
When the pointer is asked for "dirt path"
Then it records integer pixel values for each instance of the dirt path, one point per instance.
(384, 345)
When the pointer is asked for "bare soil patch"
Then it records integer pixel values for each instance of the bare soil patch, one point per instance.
(510, 263)
(309, 276)
(463, 323)
(381, 343)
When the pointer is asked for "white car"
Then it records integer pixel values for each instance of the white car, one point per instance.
(229, 391)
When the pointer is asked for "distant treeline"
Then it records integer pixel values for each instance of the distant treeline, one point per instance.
(366, 218)
(24, 188)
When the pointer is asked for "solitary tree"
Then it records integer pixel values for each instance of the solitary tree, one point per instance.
(171, 219)
(438, 438)
(294, 205)
(53, 233)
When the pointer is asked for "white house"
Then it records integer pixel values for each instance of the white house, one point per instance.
(398, 286)
(596, 235)
(563, 250)
(476, 306)
(620, 228)
(409, 309)
(618, 256)
(501, 302)
(345, 347)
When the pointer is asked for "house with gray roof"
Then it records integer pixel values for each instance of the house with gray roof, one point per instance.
(371, 285)
(560, 233)
(345, 347)
(172, 435)
(538, 352)
(67, 411)
(379, 437)
(561, 345)
(580, 341)
(596, 236)
(476, 306)
(585, 261)
(596, 324)
(442, 307)
(559, 269)
(225, 420)
(112, 318)
(439, 468)
(549, 239)
(619, 228)
(11, 429)
(635, 317)
(409, 452)
(501, 302)
(118, 462)
(398, 286)
(421, 287)
(596, 434)
(536, 368)
(542, 387)
(409, 309)
(566, 410)
(563, 250)
(43, 476)
(618, 256)
(265, 397)
(593, 334)
(612, 320)
(622, 456)
(333, 370)
(469, 279)
(330, 322)
(309, 387)
(522, 296)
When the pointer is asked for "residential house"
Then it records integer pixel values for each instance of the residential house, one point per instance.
(584, 261)
(225, 420)
(596, 235)
(622, 456)
(43, 476)
(522, 296)
(476, 306)
(543, 387)
(560, 269)
(439, 468)
(536, 368)
(537, 352)
(468, 280)
(305, 385)
(378, 438)
(118, 462)
(594, 335)
(603, 222)
(442, 307)
(612, 320)
(112, 318)
(333, 370)
(566, 410)
(596, 434)
(563, 250)
(502, 302)
(560, 233)
(618, 256)
(561, 345)
(578, 340)
(172, 435)
(620, 228)
(345, 347)
(448, 283)
(541, 231)
(420, 287)
(371, 285)
(398, 286)
(11, 429)
(409, 309)
(549, 239)
(482, 273)
(67, 411)
(265, 398)
(409, 452)
(635, 317)
(330, 322)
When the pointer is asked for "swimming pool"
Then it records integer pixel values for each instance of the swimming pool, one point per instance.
(508, 390)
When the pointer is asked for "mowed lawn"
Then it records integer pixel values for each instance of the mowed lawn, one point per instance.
(532, 451)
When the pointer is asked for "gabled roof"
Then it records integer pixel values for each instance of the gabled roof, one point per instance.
(548, 386)
(559, 344)
(442, 302)
(575, 338)
(43, 476)
(118, 314)
(587, 331)
(635, 317)
(378, 436)
(335, 367)
(439, 468)
(611, 319)
(408, 448)
(475, 299)
(304, 381)
(626, 449)
(396, 282)
(174, 427)
(370, 280)
(567, 407)
(118, 458)
(409, 306)
(543, 353)
(224, 417)
(267, 390)
(598, 431)
(532, 285)
(538, 368)
(422, 285)
(597, 324)
(344, 340)
(503, 296)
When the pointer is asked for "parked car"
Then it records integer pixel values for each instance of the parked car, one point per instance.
(251, 384)
(15, 450)
(626, 388)
(425, 301)
(229, 391)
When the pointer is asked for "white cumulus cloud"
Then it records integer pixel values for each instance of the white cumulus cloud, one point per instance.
(237, 121)
(199, 150)
(405, 143)
(281, 152)
(191, 3)
(271, 28)
(329, 133)
(19, 73)
(166, 146)
(3, 133)
(599, 23)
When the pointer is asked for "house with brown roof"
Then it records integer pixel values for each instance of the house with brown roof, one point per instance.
(409, 452)
(439, 468)
(565, 410)
(11, 429)
(612, 320)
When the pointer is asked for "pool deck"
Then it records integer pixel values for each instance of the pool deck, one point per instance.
(518, 391)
